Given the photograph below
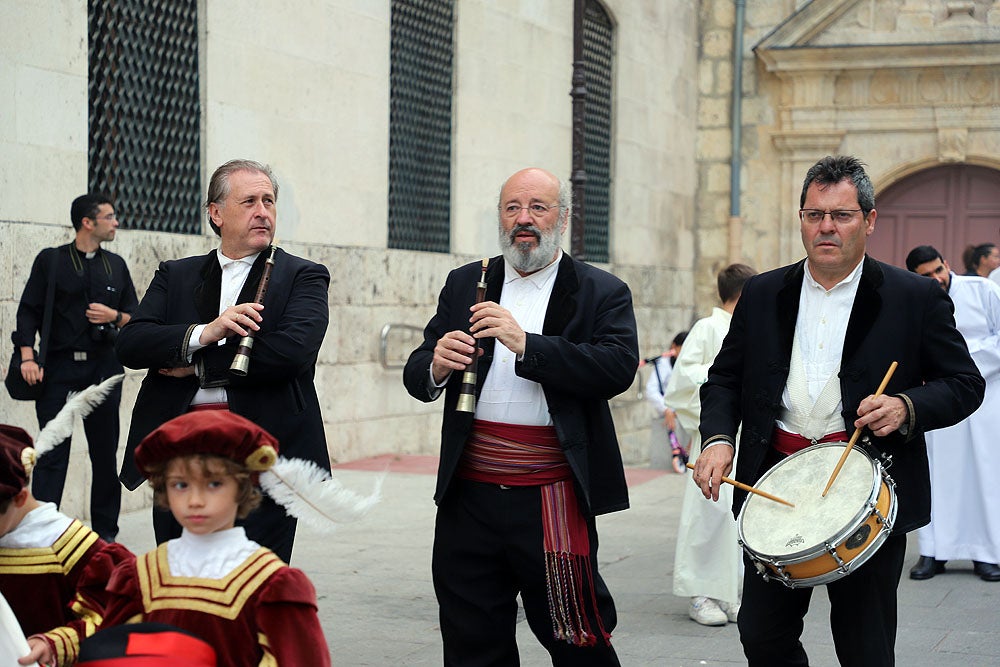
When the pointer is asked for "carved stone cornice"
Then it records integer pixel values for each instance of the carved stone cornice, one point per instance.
(782, 60)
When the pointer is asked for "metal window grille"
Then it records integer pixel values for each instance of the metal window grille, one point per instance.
(420, 92)
(145, 111)
(598, 41)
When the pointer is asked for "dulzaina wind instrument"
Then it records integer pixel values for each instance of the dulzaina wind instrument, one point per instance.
(241, 362)
(467, 392)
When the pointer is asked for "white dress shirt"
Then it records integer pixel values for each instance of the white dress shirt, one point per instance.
(234, 275)
(821, 327)
(506, 397)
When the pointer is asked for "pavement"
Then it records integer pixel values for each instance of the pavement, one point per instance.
(377, 606)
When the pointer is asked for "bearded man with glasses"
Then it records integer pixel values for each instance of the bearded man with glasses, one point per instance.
(807, 347)
(538, 456)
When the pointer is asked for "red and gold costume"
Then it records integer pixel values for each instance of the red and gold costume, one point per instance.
(262, 612)
(57, 590)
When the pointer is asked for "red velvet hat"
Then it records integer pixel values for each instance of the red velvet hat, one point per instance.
(147, 645)
(214, 432)
(13, 474)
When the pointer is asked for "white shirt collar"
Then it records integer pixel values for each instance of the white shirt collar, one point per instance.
(211, 556)
(851, 277)
(40, 527)
(538, 278)
(225, 261)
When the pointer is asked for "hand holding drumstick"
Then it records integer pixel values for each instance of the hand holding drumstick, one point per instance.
(751, 489)
(869, 418)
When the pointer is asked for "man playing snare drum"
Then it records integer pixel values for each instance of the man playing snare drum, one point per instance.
(847, 317)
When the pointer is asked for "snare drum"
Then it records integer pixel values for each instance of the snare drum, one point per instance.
(821, 539)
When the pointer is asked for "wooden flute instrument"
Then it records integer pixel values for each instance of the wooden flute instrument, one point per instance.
(467, 392)
(241, 362)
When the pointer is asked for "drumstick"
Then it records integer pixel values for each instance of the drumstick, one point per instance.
(751, 489)
(857, 431)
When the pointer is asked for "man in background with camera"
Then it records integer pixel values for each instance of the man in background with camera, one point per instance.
(93, 297)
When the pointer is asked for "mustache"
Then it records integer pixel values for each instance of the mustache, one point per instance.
(827, 239)
(519, 229)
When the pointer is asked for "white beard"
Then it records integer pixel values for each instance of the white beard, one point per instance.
(523, 256)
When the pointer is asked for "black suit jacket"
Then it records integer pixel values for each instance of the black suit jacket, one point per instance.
(897, 316)
(586, 354)
(277, 393)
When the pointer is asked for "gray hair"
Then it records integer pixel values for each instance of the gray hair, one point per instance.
(219, 188)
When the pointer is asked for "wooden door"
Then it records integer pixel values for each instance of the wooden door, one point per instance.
(948, 207)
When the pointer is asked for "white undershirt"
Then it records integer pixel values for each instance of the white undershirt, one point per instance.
(210, 556)
(234, 275)
(821, 327)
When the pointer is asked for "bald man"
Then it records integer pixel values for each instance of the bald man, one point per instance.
(521, 478)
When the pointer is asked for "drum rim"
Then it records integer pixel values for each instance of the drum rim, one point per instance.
(842, 534)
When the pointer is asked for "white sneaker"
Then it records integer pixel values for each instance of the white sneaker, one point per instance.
(732, 611)
(706, 611)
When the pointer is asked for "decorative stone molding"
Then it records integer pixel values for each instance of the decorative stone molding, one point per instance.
(952, 143)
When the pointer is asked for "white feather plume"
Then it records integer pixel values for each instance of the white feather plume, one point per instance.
(77, 403)
(310, 494)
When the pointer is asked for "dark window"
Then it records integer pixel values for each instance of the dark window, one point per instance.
(598, 43)
(420, 125)
(145, 112)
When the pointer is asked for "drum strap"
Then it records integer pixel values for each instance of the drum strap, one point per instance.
(812, 420)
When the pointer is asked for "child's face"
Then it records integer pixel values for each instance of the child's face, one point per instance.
(202, 502)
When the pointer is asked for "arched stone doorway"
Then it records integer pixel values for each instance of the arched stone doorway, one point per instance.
(948, 207)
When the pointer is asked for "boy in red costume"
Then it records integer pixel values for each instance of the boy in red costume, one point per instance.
(213, 581)
(53, 568)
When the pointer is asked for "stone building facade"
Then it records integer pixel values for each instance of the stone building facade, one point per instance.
(904, 84)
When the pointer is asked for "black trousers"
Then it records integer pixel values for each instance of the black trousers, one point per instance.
(862, 614)
(63, 375)
(268, 525)
(487, 550)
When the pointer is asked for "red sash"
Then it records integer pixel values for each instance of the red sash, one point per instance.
(519, 455)
(789, 443)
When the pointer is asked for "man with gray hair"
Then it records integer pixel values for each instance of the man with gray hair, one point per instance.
(191, 320)
(536, 455)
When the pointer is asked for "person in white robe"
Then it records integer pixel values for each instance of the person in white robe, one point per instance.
(963, 459)
(708, 566)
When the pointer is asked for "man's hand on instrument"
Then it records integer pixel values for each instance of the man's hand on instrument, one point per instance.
(711, 466)
(490, 320)
(236, 320)
(881, 414)
(453, 352)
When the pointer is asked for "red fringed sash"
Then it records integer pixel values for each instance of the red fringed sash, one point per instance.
(519, 455)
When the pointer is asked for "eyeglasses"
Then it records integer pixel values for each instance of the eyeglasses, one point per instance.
(537, 210)
(109, 216)
(815, 215)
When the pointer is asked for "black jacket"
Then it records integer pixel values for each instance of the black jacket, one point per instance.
(897, 316)
(586, 354)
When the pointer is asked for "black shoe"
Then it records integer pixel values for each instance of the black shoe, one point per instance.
(986, 571)
(927, 567)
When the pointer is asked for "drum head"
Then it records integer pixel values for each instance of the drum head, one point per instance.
(772, 529)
